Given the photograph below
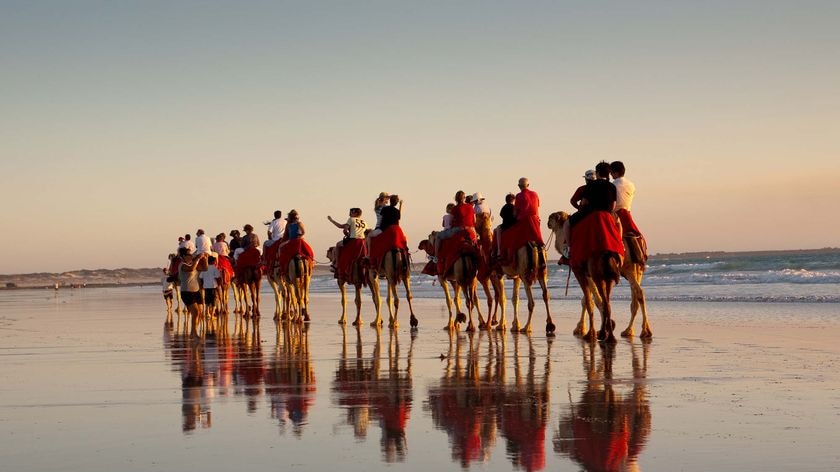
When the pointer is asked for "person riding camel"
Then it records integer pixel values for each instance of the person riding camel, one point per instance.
(526, 209)
(449, 242)
(250, 245)
(221, 247)
(353, 244)
(293, 243)
(625, 191)
(577, 197)
(595, 227)
(202, 242)
(390, 235)
(276, 227)
(508, 220)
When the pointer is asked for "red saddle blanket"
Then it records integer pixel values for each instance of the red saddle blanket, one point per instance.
(294, 247)
(352, 250)
(627, 223)
(518, 235)
(249, 258)
(391, 238)
(270, 256)
(225, 269)
(451, 248)
(597, 232)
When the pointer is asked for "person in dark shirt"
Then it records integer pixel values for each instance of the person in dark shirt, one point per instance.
(391, 214)
(508, 220)
(599, 195)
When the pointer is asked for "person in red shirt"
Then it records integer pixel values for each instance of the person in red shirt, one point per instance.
(526, 209)
(463, 225)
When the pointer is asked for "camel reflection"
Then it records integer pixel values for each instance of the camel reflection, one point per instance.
(369, 392)
(474, 401)
(290, 380)
(224, 365)
(607, 429)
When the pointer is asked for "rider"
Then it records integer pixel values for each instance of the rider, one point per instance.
(293, 243)
(276, 227)
(353, 244)
(390, 233)
(595, 227)
(463, 225)
(526, 209)
(202, 242)
(625, 191)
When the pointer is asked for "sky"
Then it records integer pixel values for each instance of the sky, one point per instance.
(124, 124)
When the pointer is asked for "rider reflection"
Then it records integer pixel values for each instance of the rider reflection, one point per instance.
(606, 429)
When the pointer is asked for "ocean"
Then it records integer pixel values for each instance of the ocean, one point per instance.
(811, 276)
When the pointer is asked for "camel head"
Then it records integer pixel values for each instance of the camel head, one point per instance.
(428, 245)
(557, 219)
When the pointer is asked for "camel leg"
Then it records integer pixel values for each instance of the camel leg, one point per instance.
(445, 286)
(469, 298)
(373, 284)
(491, 313)
(358, 300)
(392, 322)
(515, 325)
(529, 292)
(343, 319)
(549, 323)
(501, 301)
(407, 283)
(255, 297)
(586, 301)
(374, 287)
(607, 324)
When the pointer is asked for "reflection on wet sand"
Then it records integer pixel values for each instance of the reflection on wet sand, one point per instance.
(368, 392)
(218, 364)
(606, 429)
(290, 380)
(473, 400)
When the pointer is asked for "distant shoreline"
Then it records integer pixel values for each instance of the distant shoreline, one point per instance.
(128, 277)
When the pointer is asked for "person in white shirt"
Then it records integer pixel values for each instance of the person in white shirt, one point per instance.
(625, 192)
(354, 228)
(188, 244)
(202, 242)
(275, 228)
(167, 288)
(447, 218)
(481, 205)
(221, 247)
(209, 280)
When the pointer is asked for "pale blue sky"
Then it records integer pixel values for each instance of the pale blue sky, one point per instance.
(125, 124)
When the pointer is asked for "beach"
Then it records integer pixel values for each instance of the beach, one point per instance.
(92, 380)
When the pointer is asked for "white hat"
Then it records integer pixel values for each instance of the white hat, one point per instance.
(477, 196)
(590, 175)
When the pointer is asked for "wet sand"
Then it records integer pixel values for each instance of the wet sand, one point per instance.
(91, 380)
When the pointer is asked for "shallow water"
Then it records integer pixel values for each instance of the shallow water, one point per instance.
(91, 380)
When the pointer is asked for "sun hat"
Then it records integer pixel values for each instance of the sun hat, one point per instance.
(477, 196)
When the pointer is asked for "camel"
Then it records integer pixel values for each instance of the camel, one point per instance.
(630, 270)
(359, 277)
(249, 278)
(296, 278)
(485, 273)
(462, 277)
(281, 295)
(528, 266)
(396, 269)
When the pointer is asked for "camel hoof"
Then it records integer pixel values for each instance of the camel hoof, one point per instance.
(610, 339)
(376, 324)
(413, 322)
(342, 321)
(460, 318)
(449, 327)
(357, 322)
(470, 328)
(646, 334)
(627, 333)
(483, 326)
(550, 328)
(577, 332)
